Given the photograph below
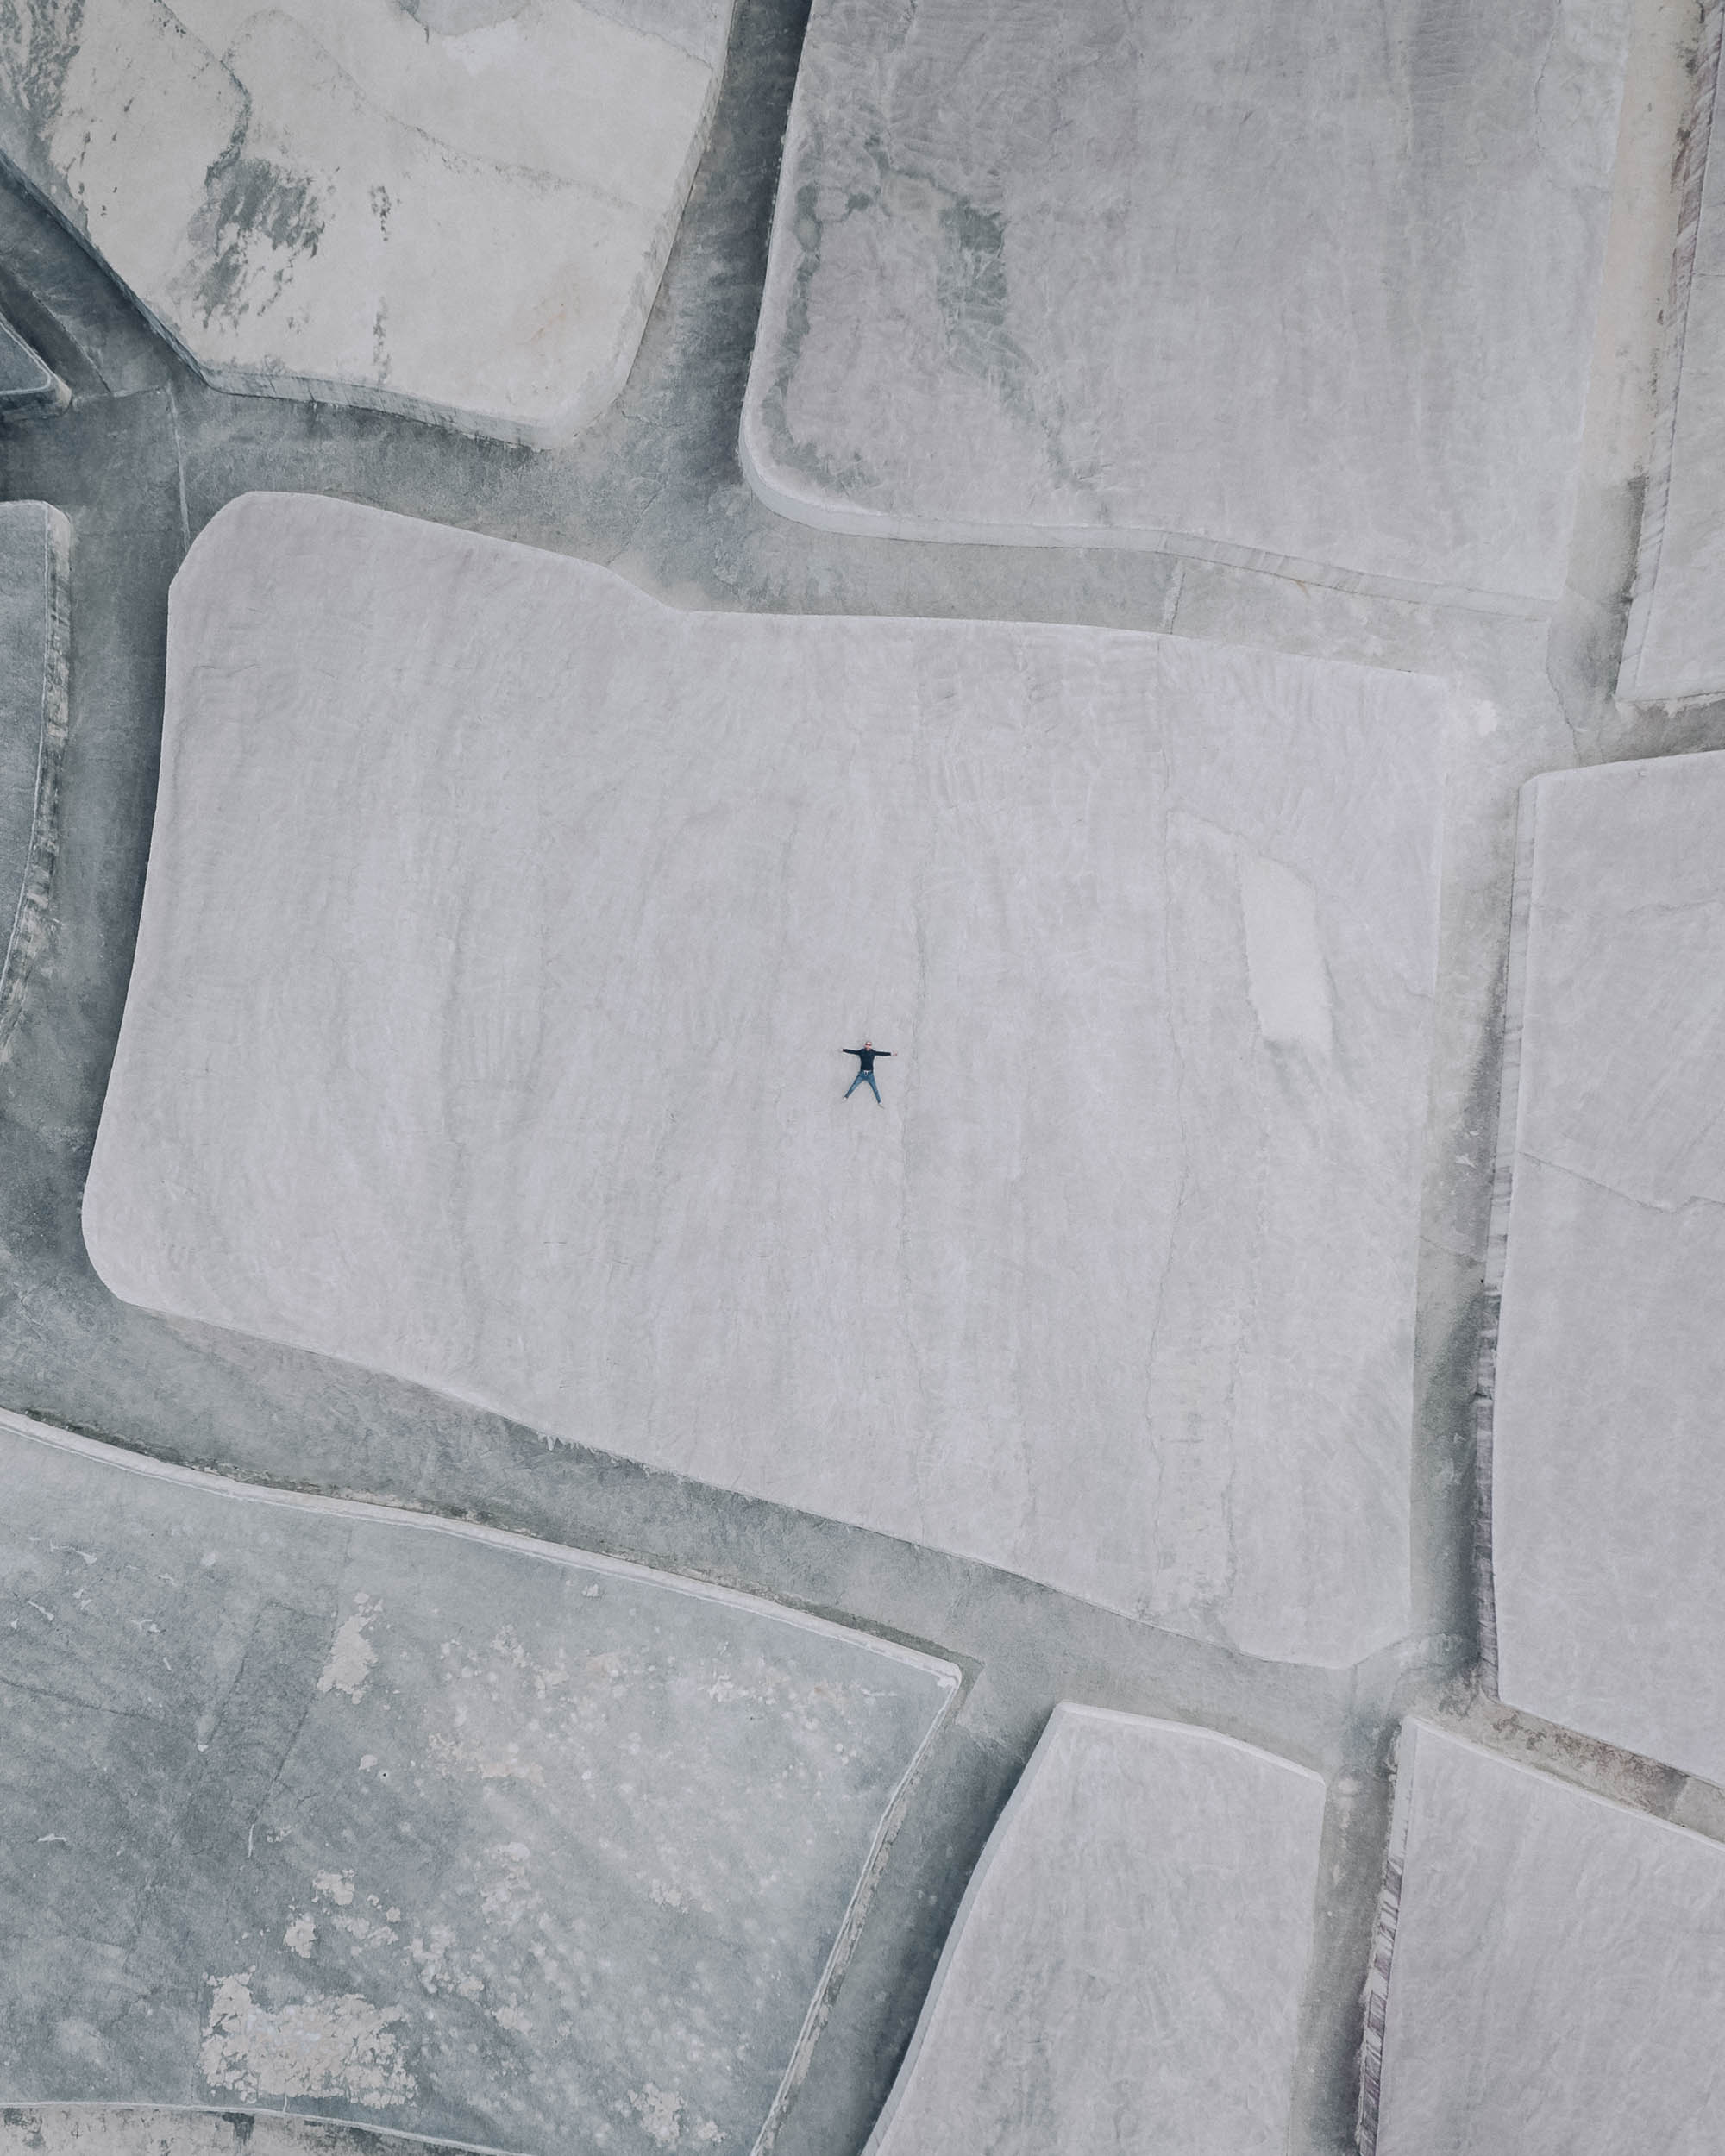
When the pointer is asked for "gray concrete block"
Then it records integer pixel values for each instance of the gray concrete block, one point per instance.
(1548, 1976)
(36, 544)
(1126, 1969)
(462, 217)
(26, 383)
(328, 1808)
(502, 931)
(1298, 288)
(1607, 1495)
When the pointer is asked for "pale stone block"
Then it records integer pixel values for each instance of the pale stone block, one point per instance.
(464, 216)
(502, 931)
(321, 1808)
(1608, 1490)
(1294, 286)
(35, 543)
(1126, 1970)
(1548, 1976)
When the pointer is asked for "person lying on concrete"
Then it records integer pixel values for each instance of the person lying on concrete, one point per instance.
(865, 1068)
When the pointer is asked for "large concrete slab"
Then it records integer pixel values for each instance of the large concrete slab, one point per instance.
(1675, 645)
(456, 209)
(1297, 287)
(35, 543)
(1607, 1494)
(1126, 1970)
(323, 1808)
(502, 931)
(1548, 1976)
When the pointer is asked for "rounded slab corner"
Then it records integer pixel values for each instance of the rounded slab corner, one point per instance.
(101, 1247)
(768, 487)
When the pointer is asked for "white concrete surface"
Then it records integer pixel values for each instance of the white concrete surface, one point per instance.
(1555, 1984)
(503, 929)
(460, 216)
(36, 558)
(1309, 287)
(323, 1807)
(1675, 646)
(1126, 1970)
(1608, 1504)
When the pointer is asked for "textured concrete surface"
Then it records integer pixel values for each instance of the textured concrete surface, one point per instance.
(1549, 1966)
(34, 566)
(1607, 1503)
(1126, 1971)
(502, 931)
(24, 380)
(1313, 288)
(460, 212)
(1675, 645)
(318, 1807)
(148, 453)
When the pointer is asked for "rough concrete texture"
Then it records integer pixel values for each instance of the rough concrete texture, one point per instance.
(24, 380)
(1549, 1975)
(34, 564)
(373, 1815)
(503, 929)
(146, 455)
(1675, 645)
(1607, 1505)
(1126, 1971)
(1311, 288)
(462, 214)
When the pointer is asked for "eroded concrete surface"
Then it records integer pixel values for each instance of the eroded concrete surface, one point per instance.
(34, 568)
(455, 210)
(1114, 1285)
(393, 1819)
(1314, 288)
(145, 457)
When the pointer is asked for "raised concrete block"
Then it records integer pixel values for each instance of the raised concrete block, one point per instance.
(1675, 645)
(1607, 1486)
(35, 543)
(318, 1807)
(459, 211)
(502, 931)
(26, 383)
(1125, 1969)
(1548, 1976)
(1302, 287)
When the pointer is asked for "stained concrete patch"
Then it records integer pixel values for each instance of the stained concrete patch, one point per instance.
(1549, 1976)
(1294, 287)
(502, 931)
(1608, 1500)
(1675, 646)
(1126, 1971)
(462, 217)
(578, 1840)
(35, 543)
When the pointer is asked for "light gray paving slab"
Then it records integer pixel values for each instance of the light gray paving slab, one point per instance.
(503, 931)
(1549, 1976)
(1309, 287)
(459, 211)
(1675, 645)
(1126, 1970)
(26, 382)
(325, 1807)
(35, 543)
(1608, 1498)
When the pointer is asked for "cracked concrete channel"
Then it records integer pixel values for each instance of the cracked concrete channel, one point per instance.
(142, 459)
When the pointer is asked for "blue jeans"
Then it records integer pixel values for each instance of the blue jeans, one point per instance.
(864, 1078)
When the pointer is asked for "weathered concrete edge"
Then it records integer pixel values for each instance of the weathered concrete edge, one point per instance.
(1377, 1993)
(27, 931)
(1693, 159)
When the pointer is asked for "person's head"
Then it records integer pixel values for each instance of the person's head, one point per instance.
(867, 1043)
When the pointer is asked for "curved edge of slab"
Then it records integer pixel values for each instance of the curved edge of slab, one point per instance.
(943, 1678)
(27, 926)
(1297, 1805)
(37, 387)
